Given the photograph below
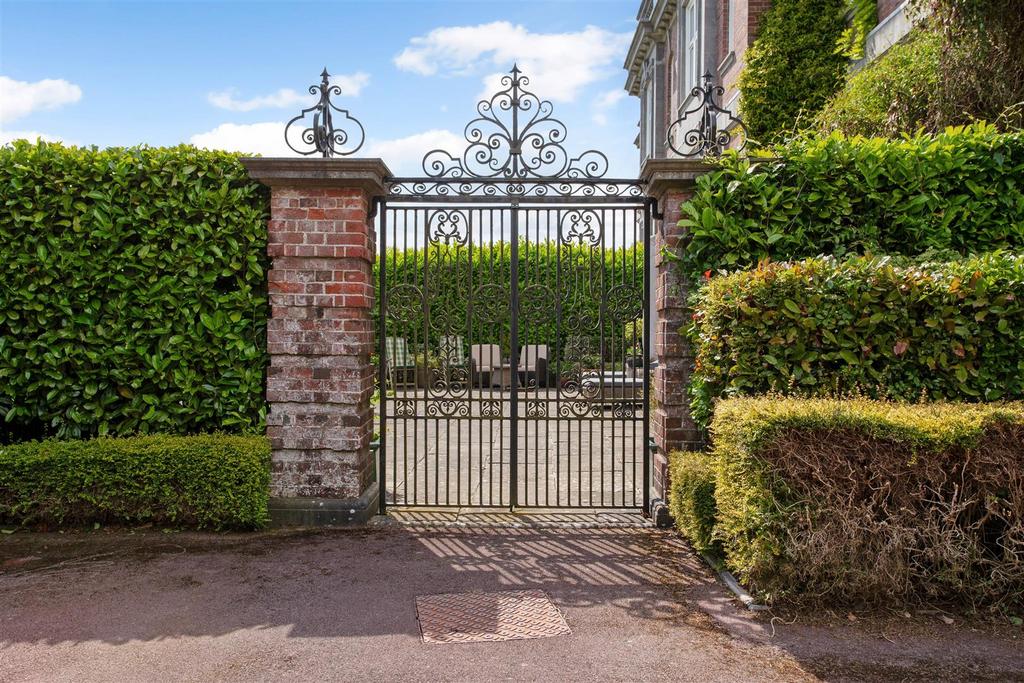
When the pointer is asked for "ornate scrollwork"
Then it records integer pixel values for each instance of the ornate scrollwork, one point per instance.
(447, 408)
(578, 409)
(405, 407)
(624, 410)
(535, 301)
(448, 381)
(490, 302)
(448, 226)
(322, 135)
(487, 187)
(580, 226)
(490, 408)
(536, 408)
(624, 302)
(515, 136)
(706, 138)
(404, 301)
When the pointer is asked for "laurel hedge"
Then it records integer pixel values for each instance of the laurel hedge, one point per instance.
(132, 291)
(207, 481)
(858, 501)
(955, 193)
(865, 326)
(575, 298)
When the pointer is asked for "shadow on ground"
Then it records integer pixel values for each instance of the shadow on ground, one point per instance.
(342, 604)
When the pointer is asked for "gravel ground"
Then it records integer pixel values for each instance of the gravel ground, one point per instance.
(146, 605)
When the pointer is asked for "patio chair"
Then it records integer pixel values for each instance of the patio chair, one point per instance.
(452, 352)
(533, 365)
(397, 357)
(484, 358)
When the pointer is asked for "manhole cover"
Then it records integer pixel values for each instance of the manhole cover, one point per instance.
(488, 617)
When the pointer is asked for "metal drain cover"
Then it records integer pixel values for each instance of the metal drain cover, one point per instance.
(488, 617)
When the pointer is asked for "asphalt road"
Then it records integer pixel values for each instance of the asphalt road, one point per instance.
(340, 605)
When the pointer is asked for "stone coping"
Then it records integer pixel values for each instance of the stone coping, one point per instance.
(663, 175)
(366, 174)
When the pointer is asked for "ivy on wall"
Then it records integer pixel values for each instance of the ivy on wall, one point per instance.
(793, 66)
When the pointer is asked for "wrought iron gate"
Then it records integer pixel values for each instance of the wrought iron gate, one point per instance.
(513, 308)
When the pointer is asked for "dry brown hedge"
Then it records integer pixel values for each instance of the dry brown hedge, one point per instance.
(871, 502)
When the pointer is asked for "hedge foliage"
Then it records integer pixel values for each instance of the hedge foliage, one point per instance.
(793, 66)
(132, 294)
(821, 327)
(959, 192)
(691, 497)
(890, 96)
(209, 481)
(562, 289)
(871, 502)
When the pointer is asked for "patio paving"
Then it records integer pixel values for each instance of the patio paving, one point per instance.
(465, 461)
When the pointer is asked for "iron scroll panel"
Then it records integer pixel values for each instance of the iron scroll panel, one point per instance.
(511, 252)
(521, 277)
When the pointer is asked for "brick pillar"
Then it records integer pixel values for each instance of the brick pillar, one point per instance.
(670, 182)
(320, 335)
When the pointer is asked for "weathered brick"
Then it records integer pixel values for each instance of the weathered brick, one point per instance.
(320, 336)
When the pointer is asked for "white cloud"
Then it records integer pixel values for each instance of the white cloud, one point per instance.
(604, 102)
(30, 135)
(351, 85)
(558, 65)
(404, 156)
(19, 98)
(251, 138)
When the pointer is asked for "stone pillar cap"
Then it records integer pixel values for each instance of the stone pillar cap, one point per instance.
(663, 175)
(366, 174)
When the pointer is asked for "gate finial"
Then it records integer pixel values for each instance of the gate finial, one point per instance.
(322, 135)
(706, 139)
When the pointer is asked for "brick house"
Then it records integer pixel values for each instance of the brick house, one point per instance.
(677, 41)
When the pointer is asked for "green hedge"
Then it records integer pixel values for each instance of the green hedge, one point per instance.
(793, 66)
(691, 497)
(959, 192)
(208, 481)
(862, 501)
(133, 293)
(890, 96)
(821, 327)
(562, 289)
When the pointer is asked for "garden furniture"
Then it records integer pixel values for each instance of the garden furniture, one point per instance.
(483, 359)
(398, 358)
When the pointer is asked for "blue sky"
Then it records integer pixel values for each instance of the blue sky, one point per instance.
(229, 74)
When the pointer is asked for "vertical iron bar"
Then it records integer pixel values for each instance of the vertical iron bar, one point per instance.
(382, 382)
(647, 334)
(514, 361)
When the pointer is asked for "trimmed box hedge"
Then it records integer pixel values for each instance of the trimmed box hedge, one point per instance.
(862, 501)
(205, 481)
(956, 193)
(133, 293)
(691, 497)
(867, 326)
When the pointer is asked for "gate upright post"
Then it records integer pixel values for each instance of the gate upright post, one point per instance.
(670, 182)
(320, 335)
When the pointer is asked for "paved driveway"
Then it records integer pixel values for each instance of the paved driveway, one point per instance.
(341, 605)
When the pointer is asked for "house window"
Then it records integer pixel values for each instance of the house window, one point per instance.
(691, 38)
(729, 22)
